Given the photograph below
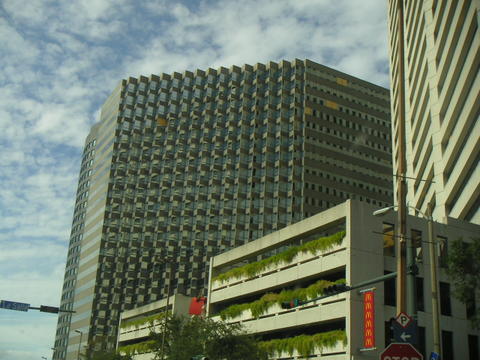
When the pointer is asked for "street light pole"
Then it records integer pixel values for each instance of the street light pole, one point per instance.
(411, 267)
(164, 330)
(433, 272)
(401, 168)
(79, 343)
(433, 282)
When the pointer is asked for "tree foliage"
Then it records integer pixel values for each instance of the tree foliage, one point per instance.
(108, 355)
(464, 271)
(186, 337)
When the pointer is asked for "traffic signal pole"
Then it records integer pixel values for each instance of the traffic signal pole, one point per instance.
(18, 306)
(353, 287)
(50, 309)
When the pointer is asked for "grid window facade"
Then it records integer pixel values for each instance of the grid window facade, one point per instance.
(186, 165)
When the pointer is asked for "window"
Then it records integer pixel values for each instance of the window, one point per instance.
(422, 341)
(447, 345)
(445, 304)
(420, 294)
(473, 353)
(417, 244)
(471, 305)
(443, 251)
(389, 332)
(388, 240)
(389, 291)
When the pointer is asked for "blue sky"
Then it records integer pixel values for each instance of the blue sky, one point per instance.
(59, 62)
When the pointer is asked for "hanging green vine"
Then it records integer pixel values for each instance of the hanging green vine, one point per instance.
(305, 345)
(261, 306)
(285, 257)
(150, 320)
(139, 348)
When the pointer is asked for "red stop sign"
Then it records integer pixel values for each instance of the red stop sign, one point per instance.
(400, 352)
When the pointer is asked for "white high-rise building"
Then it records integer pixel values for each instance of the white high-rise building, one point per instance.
(440, 43)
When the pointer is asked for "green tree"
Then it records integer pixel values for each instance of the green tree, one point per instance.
(186, 337)
(464, 271)
(108, 355)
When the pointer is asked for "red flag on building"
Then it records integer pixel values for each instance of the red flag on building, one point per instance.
(197, 305)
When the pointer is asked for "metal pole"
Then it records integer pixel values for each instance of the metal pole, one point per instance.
(79, 343)
(433, 282)
(382, 278)
(210, 276)
(401, 169)
(411, 279)
(118, 330)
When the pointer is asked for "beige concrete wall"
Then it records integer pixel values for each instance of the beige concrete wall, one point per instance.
(362, 255)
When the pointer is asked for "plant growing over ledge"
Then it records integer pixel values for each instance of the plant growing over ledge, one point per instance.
(305, 345)
(285, 257)
(107, 355)
(260, 306)
(139, 348)
(150, 320)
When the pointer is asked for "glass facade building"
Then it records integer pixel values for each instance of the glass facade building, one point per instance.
(186, 165)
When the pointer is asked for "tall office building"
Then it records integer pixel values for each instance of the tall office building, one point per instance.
(183, 166)
(439, 68)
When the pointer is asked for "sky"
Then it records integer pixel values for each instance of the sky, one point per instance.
(59, 61)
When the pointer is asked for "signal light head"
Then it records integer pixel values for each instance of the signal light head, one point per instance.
(335, 289)
(291, 304)
(49, 309)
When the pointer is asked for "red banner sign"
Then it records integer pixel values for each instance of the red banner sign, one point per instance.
(197, 305)
(368, 319)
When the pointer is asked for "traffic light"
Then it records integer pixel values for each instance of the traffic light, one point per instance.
(291, 304)
(335, 289)
(49, 309)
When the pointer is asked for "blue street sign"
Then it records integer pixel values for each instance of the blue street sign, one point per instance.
(12, 305)
(407, 334)
(434, 356)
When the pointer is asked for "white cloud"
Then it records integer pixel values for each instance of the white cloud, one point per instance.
(232, 33)
(25, 336)
(34, 12)
(15, 45)
(35, 288)
(94, 19)
(69, 118)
